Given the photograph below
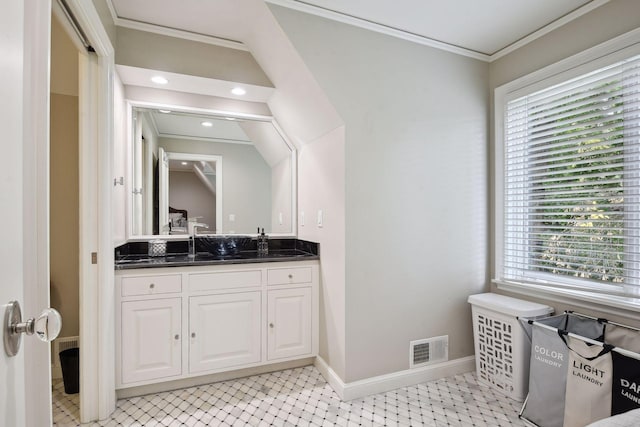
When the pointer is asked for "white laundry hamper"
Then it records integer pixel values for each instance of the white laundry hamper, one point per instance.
(502, 347)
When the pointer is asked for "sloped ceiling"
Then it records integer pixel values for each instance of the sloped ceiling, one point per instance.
(298, 103)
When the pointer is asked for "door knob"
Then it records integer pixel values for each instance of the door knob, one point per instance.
(46, 327)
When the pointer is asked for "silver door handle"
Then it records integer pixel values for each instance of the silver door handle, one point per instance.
(46, 327)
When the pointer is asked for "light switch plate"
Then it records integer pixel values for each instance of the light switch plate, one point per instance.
(232, 217)
(301, 218)
(320, 218)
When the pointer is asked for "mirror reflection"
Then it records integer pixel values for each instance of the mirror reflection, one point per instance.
(220, 175)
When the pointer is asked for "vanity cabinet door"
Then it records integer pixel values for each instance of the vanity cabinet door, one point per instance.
(289, 314)
(224, 331)
(151, 343)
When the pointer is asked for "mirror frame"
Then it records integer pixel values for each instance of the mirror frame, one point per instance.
(130, 126)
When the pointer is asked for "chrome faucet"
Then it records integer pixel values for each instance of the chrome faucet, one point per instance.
(199, 225)
(193, 228)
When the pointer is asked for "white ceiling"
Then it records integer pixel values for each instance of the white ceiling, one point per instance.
(135, 76)
(480, 28)
(183, 125)
(262, 135)
(483, 26)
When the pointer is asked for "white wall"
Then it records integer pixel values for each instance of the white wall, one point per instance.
(281, 196)
(299, 105)
(158, 52)
(246, 182)
(416, 187)
(186, 191)
(321, 186)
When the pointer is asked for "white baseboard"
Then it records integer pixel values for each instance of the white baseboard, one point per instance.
(395, 380)
(330, 376)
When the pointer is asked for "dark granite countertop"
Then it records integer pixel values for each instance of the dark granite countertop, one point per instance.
(215, 251)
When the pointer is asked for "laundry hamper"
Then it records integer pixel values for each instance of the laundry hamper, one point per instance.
(501, 345)
(580, 371)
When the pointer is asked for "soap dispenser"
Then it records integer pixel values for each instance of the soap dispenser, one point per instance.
(263, 243)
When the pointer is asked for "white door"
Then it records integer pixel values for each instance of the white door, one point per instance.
(151, 343)
(289, 323)
(224, 331)
(24, 249)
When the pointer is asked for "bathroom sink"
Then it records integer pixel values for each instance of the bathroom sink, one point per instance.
(216, 257)
(132, 259)
(277, 253)
(249, 255)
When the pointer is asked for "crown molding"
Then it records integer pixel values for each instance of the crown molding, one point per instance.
(583, 10)
(173, 32)
(361, 23)
(187, 35)
(378, 28)
(204, 138)
(426, 41)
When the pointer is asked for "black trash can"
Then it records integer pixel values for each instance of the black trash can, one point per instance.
(70, 364)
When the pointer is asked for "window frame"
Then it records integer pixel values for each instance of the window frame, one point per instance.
(562, 289)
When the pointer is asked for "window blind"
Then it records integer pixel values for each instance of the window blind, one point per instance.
(572, 182)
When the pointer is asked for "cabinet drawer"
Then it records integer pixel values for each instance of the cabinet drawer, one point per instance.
(285, 276)
(149, 285)
(224, 280)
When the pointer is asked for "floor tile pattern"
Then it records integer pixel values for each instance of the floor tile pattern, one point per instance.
(66, 407)
(301, 397)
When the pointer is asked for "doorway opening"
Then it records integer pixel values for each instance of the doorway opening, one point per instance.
(64, 219)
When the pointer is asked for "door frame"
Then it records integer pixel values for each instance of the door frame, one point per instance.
(37, 18)
(97, 299)
(97, 365)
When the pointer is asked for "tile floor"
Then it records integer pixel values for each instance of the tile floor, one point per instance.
(301, 397)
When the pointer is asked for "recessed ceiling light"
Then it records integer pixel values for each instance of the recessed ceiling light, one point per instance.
(207, 124)
(185, 163)
(164, 111)
(238, 91)
(159, 80)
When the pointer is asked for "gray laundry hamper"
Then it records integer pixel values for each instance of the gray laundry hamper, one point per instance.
(548, 368)
(576, 375)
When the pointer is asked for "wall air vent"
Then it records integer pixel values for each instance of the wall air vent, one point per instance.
(428, 351)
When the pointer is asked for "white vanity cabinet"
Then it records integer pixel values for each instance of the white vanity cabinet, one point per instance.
(224, 331)
(289, 312)
(290, 322)
(151, 339)
(181, 322)
(149, 327)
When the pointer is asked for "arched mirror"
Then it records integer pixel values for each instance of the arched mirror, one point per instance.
(228, 174)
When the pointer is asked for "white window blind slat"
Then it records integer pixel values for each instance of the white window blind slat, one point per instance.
(572, 182)
(576, 86)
